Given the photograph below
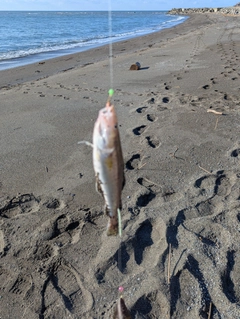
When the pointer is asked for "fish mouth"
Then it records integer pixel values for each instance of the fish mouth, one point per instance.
(107, 116)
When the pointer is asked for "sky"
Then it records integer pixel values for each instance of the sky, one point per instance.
(83, 5)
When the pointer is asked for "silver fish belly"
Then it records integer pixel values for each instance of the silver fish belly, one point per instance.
(108, 164)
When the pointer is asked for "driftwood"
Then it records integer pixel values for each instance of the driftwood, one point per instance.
(215, 112)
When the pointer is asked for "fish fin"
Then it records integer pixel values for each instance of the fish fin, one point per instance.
(107, 210)
(98, 185)
(121, 311)
(86, 143)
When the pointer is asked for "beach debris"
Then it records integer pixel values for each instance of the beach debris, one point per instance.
(214, 111)
(135, 67)
(205, 170)
(217, 113)
(108, 163)
(121, 311)
(169, 261)
(174, 153)
(215, 127)
(210, 310)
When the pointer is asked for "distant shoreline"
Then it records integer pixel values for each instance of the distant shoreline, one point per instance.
(233, 11)
(46, 67)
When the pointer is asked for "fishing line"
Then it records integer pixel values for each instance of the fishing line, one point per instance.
(110, 43)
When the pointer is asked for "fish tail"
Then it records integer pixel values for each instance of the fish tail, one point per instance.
(112, 227)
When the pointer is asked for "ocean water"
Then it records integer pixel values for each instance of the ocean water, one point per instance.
(27, 37)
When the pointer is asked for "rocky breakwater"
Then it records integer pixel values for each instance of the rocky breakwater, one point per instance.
(228, 11)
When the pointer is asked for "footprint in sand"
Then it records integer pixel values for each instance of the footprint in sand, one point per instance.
(151, 101)
(52, 203)
(6, 278)
(192, 273)
(63, 293)
(165, 99)
(206, 186)
(19, 205)
(151, 117)
(148, 184)
(145, 198)
(141, 109)
(137, 250)
(153, 141)
(212, 185)
(44, 252)
(133, 162)
(139, 254)
(161, 108)
(139, 130)
(142, 240)
(167, 86)
(59, 232)
(22, 285)
(197, 270)
(235, 153)
(189, 284)
(214, 81)
(151, 305)
(209, 189)
(230, 277)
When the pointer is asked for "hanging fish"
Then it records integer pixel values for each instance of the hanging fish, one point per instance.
(108, 164)
(121, 311)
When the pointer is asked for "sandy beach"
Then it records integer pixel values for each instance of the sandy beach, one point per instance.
(179, 121)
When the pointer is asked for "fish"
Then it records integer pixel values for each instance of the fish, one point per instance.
(121, 311)
(108, 164)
